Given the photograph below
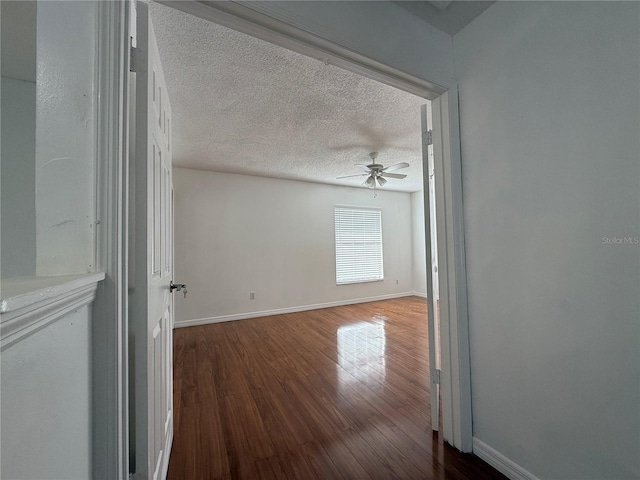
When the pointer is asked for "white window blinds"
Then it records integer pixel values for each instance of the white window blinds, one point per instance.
(358, 245)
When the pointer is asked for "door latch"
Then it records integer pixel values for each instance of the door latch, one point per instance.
(180, 287)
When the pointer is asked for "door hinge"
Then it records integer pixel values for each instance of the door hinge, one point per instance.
(134, 52)
(435, 377)
(429, 137)
(134, 59)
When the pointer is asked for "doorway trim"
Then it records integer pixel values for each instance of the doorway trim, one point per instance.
(110, 395)
(269, 22)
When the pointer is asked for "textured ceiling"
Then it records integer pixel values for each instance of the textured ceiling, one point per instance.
(242, 105)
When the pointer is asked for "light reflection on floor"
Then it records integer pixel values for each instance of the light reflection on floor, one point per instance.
(362, 353)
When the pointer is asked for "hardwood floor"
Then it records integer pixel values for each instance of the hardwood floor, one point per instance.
(339, 393)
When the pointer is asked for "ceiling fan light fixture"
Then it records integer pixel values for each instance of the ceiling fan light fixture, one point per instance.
(375, 172)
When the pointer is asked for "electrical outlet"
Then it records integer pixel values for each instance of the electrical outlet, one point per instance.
(252, 295)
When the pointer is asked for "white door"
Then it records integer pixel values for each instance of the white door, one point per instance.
(433, 313)
(153, 307)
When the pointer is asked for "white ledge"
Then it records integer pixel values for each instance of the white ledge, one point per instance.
(31, 303)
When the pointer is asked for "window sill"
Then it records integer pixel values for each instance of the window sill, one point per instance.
(360, 281)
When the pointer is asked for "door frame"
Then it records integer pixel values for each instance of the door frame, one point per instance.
(268, 21)
(111, 441)
(110, 392)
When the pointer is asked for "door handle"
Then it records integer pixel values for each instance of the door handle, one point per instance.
(181, 287)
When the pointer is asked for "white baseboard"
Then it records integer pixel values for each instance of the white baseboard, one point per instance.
(279, 311)
(501, 463)
(420, 294)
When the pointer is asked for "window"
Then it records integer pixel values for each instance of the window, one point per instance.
(358, 245)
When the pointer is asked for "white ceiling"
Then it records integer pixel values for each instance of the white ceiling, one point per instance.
(242, 105)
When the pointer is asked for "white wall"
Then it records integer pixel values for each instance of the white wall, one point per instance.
(18, 205)
(65, 137)
(46, 416)
(46, 379)
(236, 233)
(550, 118)
(419, 246)
(48, 138)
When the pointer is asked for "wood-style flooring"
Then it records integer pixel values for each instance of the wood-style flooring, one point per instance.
(338, 393)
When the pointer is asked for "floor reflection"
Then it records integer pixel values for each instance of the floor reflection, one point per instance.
(362, 352)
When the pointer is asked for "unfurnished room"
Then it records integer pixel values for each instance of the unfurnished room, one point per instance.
(320, 239)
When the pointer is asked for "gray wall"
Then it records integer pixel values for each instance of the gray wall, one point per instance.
(18, 215)
(550, 119)
(46, 417)
(17, 166)
(381, 31)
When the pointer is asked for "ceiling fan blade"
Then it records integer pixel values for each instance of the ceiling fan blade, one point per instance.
(397, 166)
(350, 176)
(366, 167)
(393, 175)
(381, 181)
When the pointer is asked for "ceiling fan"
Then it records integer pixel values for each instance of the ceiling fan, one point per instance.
(376, 172)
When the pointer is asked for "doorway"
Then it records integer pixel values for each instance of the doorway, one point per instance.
(328, 115)
(454, 302)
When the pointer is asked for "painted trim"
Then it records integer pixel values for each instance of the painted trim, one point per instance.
(22, 292)
(454, 320)
(280, 311)
(419, 294)
(443, 274)
(110, 429)
(501, 463)
(456, 250)
(269, 22)
(30, 312)
(431, 317)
